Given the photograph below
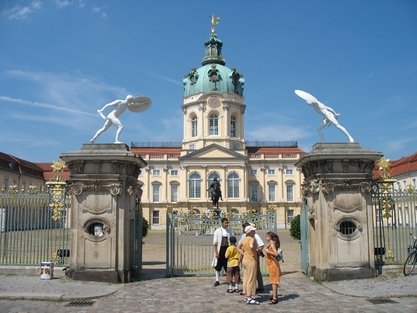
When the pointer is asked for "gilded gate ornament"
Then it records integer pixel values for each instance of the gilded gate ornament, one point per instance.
(57, 189)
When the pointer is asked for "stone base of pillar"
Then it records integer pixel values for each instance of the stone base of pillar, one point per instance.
(105, 276)
(333, 274)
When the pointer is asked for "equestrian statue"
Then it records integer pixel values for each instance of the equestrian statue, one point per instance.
(215, 192)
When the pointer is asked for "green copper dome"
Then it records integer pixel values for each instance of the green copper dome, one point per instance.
(213, 75)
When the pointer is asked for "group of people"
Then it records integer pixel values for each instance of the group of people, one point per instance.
(232, 255)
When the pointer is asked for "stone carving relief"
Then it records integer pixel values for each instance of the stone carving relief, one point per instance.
(133, 170)
(346, 184)
(76, 167)
(347, 203)
(328, 187)
(328, 166)
(117, 168)
(310, 187)
(78, 188)
(365, 166)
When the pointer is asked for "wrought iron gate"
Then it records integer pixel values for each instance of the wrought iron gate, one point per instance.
(304, 238)
(35, 225)
(138, 238)
(189, 238)
(395, 217)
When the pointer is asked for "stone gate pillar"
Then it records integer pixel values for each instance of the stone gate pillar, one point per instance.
(104, 189)
(337, 189)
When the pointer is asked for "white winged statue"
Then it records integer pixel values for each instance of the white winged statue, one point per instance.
(330, 116)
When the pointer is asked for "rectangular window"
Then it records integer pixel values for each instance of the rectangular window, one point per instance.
(232, 188)
(271, 193)
(174, 172)
(155, 218)
(254, 193)
(290, 216)
(253, 172)
(174, 193)
(271, 171)
(290, 192)
(289, 171)
(6, 184)
(155, 193)
(214, 125)
(195, 189)
(192, 146)
(156, 172)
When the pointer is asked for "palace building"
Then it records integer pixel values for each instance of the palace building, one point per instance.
(254, 176)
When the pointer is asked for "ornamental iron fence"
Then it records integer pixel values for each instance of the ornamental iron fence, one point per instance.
(189, 238)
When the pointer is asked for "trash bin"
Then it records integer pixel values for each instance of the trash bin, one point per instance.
(47, 270)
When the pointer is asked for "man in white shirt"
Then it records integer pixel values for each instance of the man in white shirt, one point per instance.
(221, 241)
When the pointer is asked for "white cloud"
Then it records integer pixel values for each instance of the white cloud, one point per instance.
(43, 105)
(392, 146)
(176, 82)
(99, 11)
(19, 12)
(72, 90)
(63, 3)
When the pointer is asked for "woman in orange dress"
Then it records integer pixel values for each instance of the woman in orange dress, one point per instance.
(273, 264)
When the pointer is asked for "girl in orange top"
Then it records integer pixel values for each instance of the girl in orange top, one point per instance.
(273, 264)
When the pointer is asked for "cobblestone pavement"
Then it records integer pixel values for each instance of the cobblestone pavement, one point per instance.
(155, 293)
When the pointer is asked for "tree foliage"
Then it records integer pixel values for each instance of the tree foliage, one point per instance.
(295, 228)
(145, 226)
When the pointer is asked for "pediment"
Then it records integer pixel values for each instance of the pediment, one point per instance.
(214, 151)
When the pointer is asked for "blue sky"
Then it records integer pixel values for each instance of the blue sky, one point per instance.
(62, 60)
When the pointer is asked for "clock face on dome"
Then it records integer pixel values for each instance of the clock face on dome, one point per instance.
(213, 102)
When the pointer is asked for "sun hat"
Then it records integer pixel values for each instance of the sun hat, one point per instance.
(249, 228)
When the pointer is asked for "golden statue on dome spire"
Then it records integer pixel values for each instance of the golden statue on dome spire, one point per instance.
(214, 22)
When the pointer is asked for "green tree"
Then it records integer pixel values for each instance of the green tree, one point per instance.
(145, 226)
(295, 228)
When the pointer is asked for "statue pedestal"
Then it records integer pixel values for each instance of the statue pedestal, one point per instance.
(216, 211)
(105, 195)
(337, 189)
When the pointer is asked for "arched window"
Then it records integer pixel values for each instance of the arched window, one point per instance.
(194, 127)
(195, 185)
(210, 179)
(233, 126)
(214, 124)
(233, 185)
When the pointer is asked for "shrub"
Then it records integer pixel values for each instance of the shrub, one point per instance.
(295, 228)
(145, 226)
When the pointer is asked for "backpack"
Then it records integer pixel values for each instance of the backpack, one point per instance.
(280, 256)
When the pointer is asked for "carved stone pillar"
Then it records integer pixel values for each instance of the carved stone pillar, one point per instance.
(337, 189)
(105, 192)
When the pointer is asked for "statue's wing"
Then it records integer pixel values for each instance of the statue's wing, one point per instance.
(306, 96)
